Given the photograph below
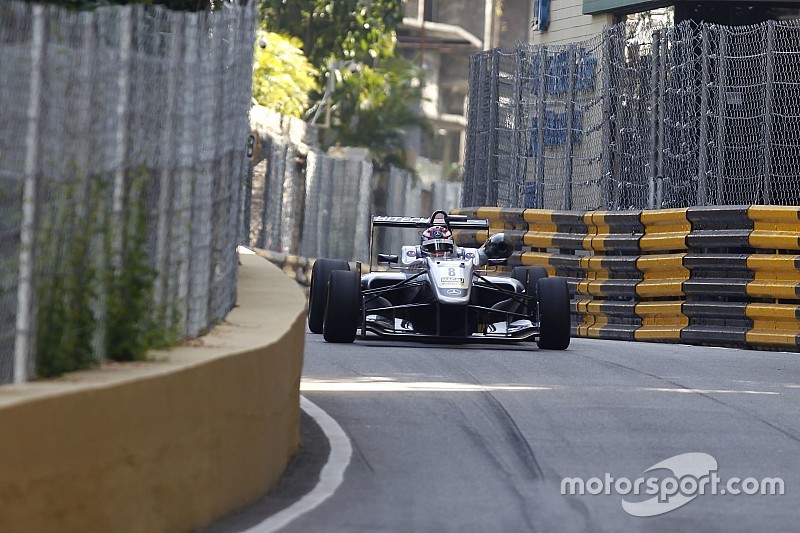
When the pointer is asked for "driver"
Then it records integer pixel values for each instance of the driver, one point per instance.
(437, 241)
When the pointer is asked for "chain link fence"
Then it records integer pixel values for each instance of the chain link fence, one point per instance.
(643, 116)
(303, 201)
(121, 164)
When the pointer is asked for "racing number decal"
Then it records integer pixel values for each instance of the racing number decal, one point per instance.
(455, 277)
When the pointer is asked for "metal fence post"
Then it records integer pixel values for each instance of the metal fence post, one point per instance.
(202, 205)
(311, 206)
(541, 113)
(722, 83)
(470, 144)
(573, 59)
(662, 91)
(607, 188)
(655, 57)
(290, 191)
(123, 92)
(325, 215)
(516, 191)
(168, 161)
(84, 112)
(183, 197)
(768, 110)
(361, 245)
(702, 156)
(25, 323)
(494, 104)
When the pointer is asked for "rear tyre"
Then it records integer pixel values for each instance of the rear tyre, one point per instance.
(342, 311)
(318, 293)
(554, 314)
(529, 277)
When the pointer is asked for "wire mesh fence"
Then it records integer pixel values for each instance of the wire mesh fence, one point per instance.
(643, 116)
(303, 201)
(318, 205)
(121, 164)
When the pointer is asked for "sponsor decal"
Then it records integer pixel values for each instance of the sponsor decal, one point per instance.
(454, 292)
(399, 219)
(452, 280)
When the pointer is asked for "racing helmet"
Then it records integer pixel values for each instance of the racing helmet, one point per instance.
(437, 241)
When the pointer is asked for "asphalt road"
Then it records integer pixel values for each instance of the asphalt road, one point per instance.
(479, 438)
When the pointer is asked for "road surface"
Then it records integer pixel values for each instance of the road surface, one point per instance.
(481, 438)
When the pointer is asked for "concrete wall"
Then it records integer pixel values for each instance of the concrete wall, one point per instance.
(168, 445)
(568, 24)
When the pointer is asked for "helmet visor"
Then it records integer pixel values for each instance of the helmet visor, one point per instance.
(438, 246)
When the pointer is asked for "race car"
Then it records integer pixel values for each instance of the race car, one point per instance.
(437, 291)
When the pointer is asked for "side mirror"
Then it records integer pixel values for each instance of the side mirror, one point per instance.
(497, 262)
(388, 258)
(497, 247)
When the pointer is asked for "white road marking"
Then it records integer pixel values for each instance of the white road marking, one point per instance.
(388, 385)
(330, 477)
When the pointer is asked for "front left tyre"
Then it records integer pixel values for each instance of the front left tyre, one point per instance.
(318, 293)
(343, 308)
(554, 314)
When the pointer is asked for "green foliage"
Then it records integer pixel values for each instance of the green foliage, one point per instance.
(360, 30)
(65, 322)
(132, 327)
(374, 108)
(455, 172)
(77, 271)
(376, 98)
(282, 76)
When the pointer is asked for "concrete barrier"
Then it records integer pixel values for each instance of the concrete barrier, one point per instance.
(169, 445)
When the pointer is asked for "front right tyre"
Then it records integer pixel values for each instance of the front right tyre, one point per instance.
(529, 276)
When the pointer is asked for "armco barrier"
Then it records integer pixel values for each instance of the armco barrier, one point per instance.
(719, 275)
(168, 445)
(296, 267)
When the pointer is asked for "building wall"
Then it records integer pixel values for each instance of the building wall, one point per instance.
(468, 14)
(513, 26)
(568, 24)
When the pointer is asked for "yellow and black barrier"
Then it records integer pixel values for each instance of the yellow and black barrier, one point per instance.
(725, 275)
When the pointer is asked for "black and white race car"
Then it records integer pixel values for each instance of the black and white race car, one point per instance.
(436, 290)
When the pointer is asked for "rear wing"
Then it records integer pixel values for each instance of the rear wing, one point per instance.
(454, 221)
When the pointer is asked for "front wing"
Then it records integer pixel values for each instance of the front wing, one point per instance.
(490, 324)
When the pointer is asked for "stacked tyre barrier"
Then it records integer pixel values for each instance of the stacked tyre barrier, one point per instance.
(723, 275)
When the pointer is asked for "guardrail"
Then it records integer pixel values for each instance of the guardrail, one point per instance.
(296, 267)
(725, 275)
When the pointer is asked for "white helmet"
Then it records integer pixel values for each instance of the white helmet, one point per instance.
(437, 241)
